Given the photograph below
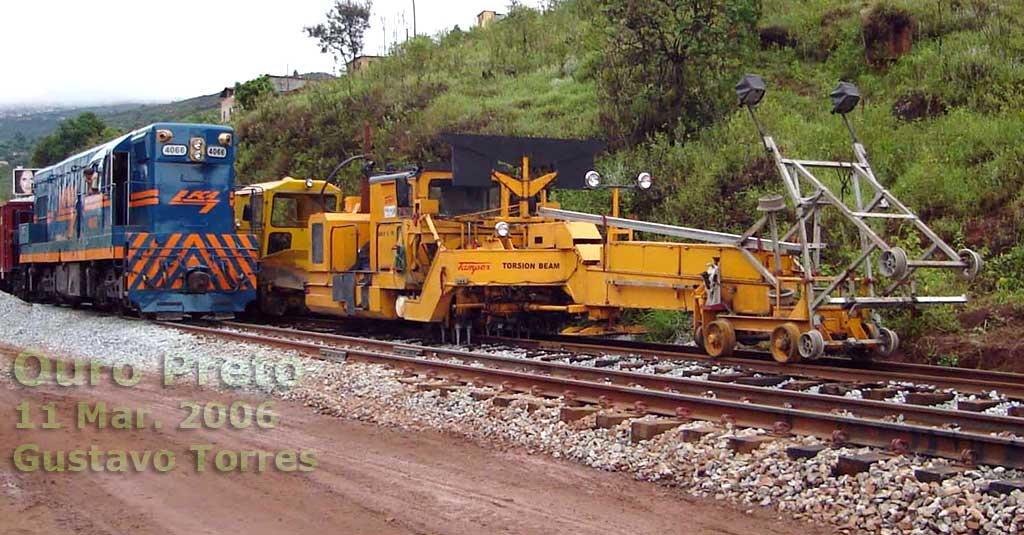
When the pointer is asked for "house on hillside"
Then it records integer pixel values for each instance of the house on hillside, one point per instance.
(360, 63)
(281, 85)
(227, 104)
(487, 16)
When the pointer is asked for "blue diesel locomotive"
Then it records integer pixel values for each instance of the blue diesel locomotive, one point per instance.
(144, 222)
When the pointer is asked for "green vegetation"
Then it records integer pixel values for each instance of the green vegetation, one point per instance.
(72, 135)
(15, 151)
(249, 94)
(5, 186)
(942, 120)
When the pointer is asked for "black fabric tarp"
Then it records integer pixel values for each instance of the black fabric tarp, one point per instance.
(475, 156)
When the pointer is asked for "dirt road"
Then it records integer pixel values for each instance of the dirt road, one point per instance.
(368, 480)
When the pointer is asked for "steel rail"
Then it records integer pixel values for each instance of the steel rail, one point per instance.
(965, 380)
(924, 415)
(961, 379)
(934, 441)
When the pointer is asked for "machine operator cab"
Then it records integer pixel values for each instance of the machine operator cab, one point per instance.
(278, 214)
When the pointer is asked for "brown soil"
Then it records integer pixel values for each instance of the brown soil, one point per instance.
(369, 480)
(888, 34)
(991, 340)
(918, 105)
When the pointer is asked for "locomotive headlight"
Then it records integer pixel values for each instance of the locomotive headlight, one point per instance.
(198, 149)
(593, 179)
(224, 139)
(164, 136)
(502, 229)
(309, 183)
(644, 181)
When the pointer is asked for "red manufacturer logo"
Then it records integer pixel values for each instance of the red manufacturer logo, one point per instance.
(473, 267)
(207, 199)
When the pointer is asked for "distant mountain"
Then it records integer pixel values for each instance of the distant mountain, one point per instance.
(193, 109)
(37, 122)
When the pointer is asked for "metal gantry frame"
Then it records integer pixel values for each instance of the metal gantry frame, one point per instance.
(855, 286)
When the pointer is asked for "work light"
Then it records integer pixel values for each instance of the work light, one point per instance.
(502, 229)
(845, 98)
(750, 90)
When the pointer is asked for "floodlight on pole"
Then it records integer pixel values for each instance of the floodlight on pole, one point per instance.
(845, 98)
(750, 90)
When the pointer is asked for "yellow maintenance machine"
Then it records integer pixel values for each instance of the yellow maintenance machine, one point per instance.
(278, 214)
(478, 245)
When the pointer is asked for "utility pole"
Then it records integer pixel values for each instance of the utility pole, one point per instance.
(414, 34)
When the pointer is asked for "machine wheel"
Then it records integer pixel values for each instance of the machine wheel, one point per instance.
(786, 343)
(893, 263)
(719, 338)
(812, 345)
(889, 342)
(974, 264)
(698, 337)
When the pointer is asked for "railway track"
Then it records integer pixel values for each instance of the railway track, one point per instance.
(941, 432)
(834, 368)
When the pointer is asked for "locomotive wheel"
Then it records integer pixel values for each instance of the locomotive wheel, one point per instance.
(698, 337)
(812, 345)
(893, 263)
(786, 343)
(719, 338)
(974, 264)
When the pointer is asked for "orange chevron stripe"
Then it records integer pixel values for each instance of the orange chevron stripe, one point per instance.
(218, 274)
(162, 254)
(220, 251)
(243, 252)
(139, 238)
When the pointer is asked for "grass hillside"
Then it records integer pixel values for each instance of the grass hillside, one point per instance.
(205, 109)
(943, 121)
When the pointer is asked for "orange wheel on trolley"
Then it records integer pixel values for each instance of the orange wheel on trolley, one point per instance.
(719, 338)
(786, 343)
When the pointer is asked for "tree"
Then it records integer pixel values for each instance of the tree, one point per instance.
(5, 175)
(342, 34)
(250, 93)
(668, 64)
(72, 135)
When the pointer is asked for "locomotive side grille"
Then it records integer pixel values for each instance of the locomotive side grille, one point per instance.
(229, 259)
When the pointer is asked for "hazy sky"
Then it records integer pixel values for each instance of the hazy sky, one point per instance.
(102, 51)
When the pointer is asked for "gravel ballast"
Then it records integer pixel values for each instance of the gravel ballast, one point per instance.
(887, 499)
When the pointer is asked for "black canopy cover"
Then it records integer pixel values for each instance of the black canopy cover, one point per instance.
(475, 156)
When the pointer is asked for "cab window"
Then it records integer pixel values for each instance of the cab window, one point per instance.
(455, 201)
(292, 210)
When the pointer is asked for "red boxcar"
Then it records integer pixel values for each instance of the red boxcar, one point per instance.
(12, 214)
